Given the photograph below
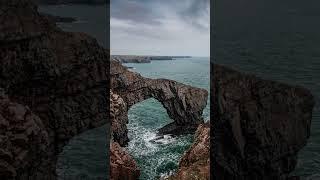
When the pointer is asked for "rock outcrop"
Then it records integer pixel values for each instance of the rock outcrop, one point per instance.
(258, 126)
(24, 142)
(122, 165)
(184, 104)
(195, 163)
(119, 119)
(60, 76)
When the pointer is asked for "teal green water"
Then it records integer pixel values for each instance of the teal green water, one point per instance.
(161, 158)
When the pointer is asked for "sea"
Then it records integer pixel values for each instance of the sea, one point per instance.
(276, 40)
(160, 158)
(85, 156)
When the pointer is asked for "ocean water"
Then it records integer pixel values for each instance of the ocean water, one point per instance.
(160, 158)
(277, 41)
(86, 155)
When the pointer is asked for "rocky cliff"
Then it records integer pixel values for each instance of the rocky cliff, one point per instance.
(184, 104)
(195, 163)
(258, 126)
(61, 77)
(24, 142)
(123, 166)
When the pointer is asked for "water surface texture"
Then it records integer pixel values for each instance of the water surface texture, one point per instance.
(161, 157)
(277, 40)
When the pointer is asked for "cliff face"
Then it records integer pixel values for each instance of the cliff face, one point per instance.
(123, 166)
(195, 163)
(60, 76)
(258, 127)
(23, 142)
(184, 104)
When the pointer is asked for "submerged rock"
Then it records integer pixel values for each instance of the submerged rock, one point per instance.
(259, 126)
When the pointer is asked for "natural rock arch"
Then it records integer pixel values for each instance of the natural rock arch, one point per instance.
(184, 104)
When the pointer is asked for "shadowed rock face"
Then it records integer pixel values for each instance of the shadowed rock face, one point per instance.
(23, 142)
(60, 76)
(258, 127)
(195, 163)
(184, 104)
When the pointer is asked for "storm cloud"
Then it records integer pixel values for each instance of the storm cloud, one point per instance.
(160, 27)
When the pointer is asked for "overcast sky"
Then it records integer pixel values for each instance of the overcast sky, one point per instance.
(160, 27)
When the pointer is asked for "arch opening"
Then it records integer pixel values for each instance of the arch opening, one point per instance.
(155, 155)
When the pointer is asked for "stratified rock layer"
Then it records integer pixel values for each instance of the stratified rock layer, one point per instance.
(60, 76)
(258, 127)
(195, 163)
(184, 104)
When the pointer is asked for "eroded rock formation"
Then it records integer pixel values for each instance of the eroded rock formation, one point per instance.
(195, 163)
(60, 76)
(258, 127)
(119, 119)
(184, 104)
(23, 142)
(122, 165)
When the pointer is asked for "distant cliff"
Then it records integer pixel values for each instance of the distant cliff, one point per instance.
(143, 59)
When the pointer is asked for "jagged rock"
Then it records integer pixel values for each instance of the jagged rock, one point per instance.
(60, 76)
(195, 163)
(24, 142)
(258, 127)
(123, 166)
(119, 119)
(184, 104)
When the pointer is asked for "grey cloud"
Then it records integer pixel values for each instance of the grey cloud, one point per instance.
(197, 10)
(145, 12)
(134, 11)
